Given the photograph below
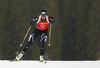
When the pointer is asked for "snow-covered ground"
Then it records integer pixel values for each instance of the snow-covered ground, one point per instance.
(49, 64)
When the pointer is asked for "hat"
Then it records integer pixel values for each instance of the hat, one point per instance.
(43, 13)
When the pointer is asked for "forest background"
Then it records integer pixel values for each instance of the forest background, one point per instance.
(75, 34)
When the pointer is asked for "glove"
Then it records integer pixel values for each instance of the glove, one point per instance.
(30, 24)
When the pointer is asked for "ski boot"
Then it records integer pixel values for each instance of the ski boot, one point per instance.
(19, 56)
(41, 58)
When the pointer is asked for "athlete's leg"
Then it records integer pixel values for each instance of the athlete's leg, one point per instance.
(31, 39)
(42, 43)
(43, 39)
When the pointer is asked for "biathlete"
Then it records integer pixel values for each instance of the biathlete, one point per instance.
(41, 28)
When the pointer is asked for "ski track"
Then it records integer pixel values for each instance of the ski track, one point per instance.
(49, 64)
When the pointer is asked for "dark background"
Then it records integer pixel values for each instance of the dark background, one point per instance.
(75, 34)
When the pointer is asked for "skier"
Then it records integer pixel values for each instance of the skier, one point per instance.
(41, 28)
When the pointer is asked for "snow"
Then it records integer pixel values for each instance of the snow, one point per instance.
(49, 64)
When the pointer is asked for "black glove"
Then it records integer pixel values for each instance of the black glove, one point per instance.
(51, 20)
(30, 24)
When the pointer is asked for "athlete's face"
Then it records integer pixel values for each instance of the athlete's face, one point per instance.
(43, 17)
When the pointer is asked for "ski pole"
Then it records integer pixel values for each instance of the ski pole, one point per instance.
(50, 34)
(25, 36)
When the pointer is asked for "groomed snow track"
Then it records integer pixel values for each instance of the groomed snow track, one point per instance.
(49, 64)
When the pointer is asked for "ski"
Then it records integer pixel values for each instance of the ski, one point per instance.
(43, 61)
(14, 60)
